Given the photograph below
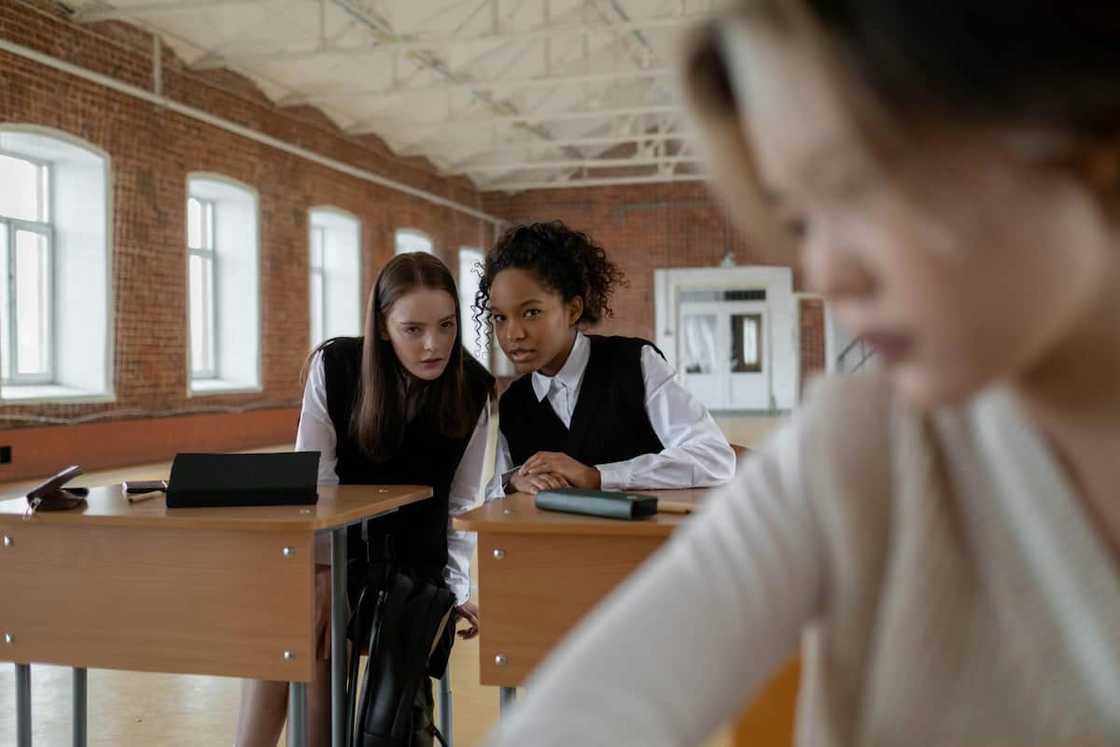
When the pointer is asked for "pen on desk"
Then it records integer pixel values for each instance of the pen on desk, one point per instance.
(674, 507)
(138, 497)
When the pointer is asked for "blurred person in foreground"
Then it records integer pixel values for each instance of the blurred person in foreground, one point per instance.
(941, 538)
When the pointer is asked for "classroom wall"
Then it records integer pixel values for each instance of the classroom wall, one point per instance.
(774, 387)
(648, 227)
(643, 227)
(812, 338)
(152, 150)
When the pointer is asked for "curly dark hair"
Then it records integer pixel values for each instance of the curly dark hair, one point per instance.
(565, 261)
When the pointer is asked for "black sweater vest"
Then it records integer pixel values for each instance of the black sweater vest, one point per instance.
(609, 423)
(419, 530)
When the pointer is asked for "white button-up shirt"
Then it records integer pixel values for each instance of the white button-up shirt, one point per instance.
(695, 454)
(316, 433)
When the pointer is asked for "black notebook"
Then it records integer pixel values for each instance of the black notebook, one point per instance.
(212, 480)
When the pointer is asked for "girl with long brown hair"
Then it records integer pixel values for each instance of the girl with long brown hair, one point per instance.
(403, 404)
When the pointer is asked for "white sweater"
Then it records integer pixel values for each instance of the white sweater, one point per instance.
(944, 581)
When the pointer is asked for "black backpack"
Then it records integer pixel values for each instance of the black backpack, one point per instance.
(407, 624)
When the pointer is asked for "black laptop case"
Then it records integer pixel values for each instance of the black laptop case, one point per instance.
(214, 480)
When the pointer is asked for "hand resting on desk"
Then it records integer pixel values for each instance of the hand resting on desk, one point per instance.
(533, 484)
(559, 464)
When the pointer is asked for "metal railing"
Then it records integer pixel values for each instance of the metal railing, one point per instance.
(854, 357)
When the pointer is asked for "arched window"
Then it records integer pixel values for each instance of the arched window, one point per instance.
(335, 275)
(55, 310)
(223, 286)
(412, 240)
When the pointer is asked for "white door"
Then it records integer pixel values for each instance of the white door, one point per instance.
(724, 354)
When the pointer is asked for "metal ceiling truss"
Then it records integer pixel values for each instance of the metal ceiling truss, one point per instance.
(584, 163)
(576, 182)
(658, 148)
(612, 140)
(429, 59)
(101, 13)
(394, 92)
(438, 42)
(498, 119)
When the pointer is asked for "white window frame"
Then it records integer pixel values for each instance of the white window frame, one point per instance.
(317, 277)
(45, 229)
(75, 230)
(209, 256)
(240, 370)
(414, 233)
(339, 272)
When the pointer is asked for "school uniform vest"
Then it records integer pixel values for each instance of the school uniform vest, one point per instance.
(418, 531)
(609, 423)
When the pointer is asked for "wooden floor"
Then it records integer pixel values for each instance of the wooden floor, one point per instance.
(133, 708)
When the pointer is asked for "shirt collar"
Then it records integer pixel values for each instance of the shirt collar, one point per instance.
(570, 373)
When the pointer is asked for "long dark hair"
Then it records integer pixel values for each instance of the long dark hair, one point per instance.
(387, 395)
(566, 261)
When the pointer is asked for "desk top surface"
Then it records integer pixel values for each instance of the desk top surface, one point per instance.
(337, 506)
(518, 514)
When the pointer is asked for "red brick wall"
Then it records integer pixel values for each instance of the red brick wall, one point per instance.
(648, 227)
(643, 228)
(812, 339)
(44, 451)
(152, 151)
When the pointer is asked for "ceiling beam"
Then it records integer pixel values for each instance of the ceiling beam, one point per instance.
(393, 92)
(100, 13)
(516, 186)
(561, 116)
(257, 136)
(382, 31)
(575, 141)
(442, 42)
(643, 53)
(581, 163)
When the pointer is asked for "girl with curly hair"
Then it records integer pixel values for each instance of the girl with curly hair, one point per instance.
(592, 411)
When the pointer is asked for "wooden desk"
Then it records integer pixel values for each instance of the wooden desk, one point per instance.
(227, 591)
(540, 572)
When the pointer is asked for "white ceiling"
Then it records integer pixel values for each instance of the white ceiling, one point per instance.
(513, 94)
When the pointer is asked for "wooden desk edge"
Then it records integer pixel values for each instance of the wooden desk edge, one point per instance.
(525, 518)
(158, 515)
(608, 527)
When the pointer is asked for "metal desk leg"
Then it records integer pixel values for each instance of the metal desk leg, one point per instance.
(506, 696)
(445, 706)
(297, 714)
(80, 707)
(338, 638)
(23, 705)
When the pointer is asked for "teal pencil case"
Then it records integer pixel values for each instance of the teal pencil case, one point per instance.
(606, 503)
